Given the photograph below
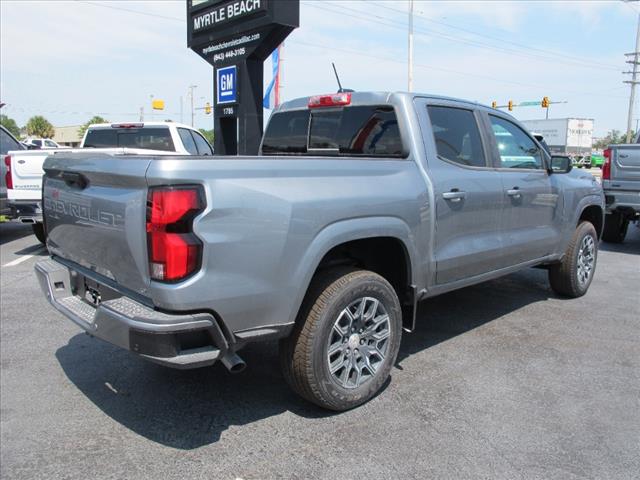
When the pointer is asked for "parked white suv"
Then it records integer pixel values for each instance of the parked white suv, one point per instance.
(164, 136)
(24, 167)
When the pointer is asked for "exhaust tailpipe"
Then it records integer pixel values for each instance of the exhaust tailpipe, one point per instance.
(233, 362)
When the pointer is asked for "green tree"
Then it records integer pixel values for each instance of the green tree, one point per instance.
(95, 119)
(10, 124)
(39, 126)
(208, 134)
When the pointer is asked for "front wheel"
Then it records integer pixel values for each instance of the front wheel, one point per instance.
(572, 277)
(346, 339)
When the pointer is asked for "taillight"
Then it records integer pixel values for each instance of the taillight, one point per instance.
(606, 166)
(174, 250)
(7, 176)
(330, 100)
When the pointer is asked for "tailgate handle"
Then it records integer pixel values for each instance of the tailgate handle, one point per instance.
(74, 179)
(624, 155)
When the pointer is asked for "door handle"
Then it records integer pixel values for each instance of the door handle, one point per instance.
(514, 192)
(454, 195)
(75, 179)
(624, 155)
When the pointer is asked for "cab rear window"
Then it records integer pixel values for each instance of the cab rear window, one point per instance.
(149, 138)
(370, 131)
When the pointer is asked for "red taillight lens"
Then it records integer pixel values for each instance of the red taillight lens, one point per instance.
(330, 100)
(7, 176)
(174, 250)
(606, 166)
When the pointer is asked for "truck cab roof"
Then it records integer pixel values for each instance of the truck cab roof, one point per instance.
(379, 98)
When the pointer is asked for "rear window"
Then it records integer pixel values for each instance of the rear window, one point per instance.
(351, 131)
(150, 138)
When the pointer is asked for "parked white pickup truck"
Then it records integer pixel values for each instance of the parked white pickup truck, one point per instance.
(24, 167)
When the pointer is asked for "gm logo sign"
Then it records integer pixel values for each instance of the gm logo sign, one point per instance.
(227, 85)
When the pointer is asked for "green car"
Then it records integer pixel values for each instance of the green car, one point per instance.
(597, 161)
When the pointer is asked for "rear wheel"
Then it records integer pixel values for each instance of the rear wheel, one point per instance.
(38, 231)
(615, 227)
(572, 277)
(346, 339)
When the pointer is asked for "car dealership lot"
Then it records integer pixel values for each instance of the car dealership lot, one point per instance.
(501, 380)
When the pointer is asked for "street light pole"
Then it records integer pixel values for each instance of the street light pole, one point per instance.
(410, 59)
(634, 80)
(191, 87)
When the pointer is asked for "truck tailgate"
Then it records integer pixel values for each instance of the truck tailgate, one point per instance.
(95, 213)
(625, 168)
(26, 170)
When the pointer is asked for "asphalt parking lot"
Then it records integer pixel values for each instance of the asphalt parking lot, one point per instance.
(500, 380)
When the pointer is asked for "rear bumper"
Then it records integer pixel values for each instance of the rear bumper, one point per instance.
(622, 200)
(174, 340)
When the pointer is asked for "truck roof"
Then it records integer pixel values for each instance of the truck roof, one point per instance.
(368, 98)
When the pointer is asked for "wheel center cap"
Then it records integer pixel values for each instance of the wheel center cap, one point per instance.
(354, 341)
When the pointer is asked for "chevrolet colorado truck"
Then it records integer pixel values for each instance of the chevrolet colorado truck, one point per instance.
(621, 185)
(24, 168)
(358, 206)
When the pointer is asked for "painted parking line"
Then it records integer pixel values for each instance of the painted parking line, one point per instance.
(24, 258)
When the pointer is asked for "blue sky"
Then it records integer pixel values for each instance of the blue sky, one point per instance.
(68, 60)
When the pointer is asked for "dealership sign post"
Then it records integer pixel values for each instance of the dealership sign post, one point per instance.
(236, 36)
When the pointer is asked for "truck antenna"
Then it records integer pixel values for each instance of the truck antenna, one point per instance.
(337, 77)
(340, 89)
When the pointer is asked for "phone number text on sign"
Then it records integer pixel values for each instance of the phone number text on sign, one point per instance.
(221, 57)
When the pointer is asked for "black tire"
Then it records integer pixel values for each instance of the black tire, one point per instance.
(615, 227)
(564, 277)
(38, 231)
(305, 354)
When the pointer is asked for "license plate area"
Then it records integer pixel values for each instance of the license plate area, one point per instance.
(93, 292)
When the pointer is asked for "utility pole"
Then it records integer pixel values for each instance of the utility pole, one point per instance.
(410, 72)
(634, 80)
(181, 116)
(191, 87)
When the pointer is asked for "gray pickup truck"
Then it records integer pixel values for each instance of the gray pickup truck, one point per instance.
(358, 206)
(621, 185)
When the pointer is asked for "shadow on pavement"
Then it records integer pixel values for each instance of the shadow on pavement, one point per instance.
(451, 314)
(630, 245)
(182, 409)
(10, 231)
(192, 408)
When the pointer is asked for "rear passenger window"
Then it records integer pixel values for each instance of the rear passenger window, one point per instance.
(457, 136)
(203, 146)
(187, 141)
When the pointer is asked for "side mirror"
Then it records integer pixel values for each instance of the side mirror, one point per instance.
(561, 164)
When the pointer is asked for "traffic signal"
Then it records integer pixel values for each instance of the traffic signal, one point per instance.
(545, 102)
(207, 108)
(510, 105)
(494, 104)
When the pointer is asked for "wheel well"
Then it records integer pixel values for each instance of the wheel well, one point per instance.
(386, 256)
(593, 214)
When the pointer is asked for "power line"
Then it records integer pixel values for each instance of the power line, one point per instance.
(164, 17)
(432, 33)
(492, 37)
(434, 67)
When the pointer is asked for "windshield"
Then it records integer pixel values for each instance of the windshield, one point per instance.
(152, 138)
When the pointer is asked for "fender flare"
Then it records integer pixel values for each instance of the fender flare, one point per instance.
(344, 231)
